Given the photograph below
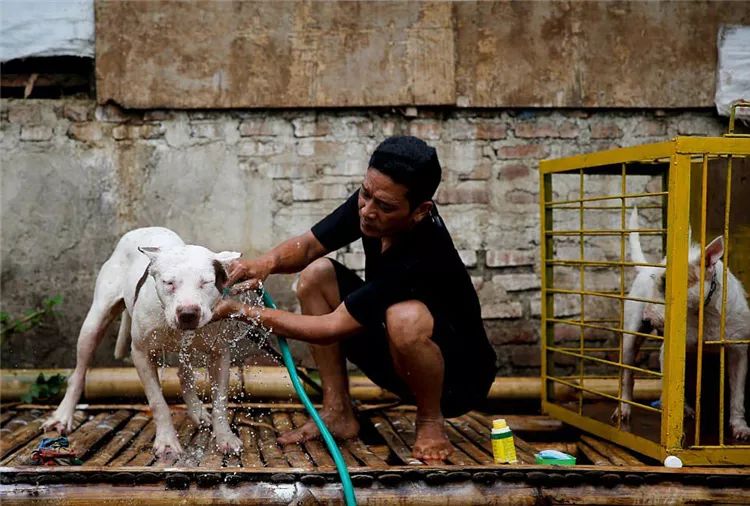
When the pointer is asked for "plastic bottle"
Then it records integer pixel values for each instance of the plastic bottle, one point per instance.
(503, 446)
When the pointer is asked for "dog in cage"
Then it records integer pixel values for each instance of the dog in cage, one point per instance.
(643, 317)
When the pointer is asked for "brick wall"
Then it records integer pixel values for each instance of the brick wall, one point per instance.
(248, 179)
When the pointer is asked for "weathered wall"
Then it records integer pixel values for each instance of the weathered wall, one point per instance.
(76, 176)
(204, 54)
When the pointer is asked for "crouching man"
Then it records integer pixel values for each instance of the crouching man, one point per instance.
(413, 325)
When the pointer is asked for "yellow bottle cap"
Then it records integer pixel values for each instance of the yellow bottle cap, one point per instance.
(499, 423)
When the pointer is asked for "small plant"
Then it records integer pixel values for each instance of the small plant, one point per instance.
(31, 318)
(45, 388)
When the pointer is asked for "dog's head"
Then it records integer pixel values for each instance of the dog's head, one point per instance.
(189, 282)
(654, 313)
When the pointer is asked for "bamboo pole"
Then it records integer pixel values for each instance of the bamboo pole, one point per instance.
(314, 447)
(293, 452)
(123, 437)
(23, 455)
(594, 456)
(21, 436)
(268, 382)
(394, 441)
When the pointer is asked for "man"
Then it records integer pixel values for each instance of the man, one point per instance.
(413, 325)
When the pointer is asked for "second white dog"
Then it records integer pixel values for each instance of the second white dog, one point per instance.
(649, 283)
(167, 290)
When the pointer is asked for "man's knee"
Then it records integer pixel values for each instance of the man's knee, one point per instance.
(408, 324)
(314, 277)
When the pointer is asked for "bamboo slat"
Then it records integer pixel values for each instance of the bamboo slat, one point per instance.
(469, 448)
(314, 447)
(364, 454)
(23, 456)
(617, 455)
(85, 440)
(18, 423)
(250, 451)
(6, 415)
(194, 451)
(394, 441)
(476, 432)
(293, 452)
(140, 445)
(213, 458)
(119, 441)
(524, 451)
(185, 430)
(594, 456)
(269, 449)
(21, 436)
(569, 448)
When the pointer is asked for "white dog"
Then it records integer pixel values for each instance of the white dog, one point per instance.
(168, 290)
(650, 283)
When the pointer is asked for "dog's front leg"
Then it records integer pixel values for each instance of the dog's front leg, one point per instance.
(737, 378)
(630, 346)
(226, 441)
(195, 410)
(165, 442)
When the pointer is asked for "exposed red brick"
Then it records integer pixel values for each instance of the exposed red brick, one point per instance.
(512, 332)
(463, 194)
(521, 197)
(535, 151)
(605, 131)
(526, 356)
(490, 130)
(513, 171)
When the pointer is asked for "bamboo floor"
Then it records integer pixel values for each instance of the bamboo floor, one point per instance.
(114, 442)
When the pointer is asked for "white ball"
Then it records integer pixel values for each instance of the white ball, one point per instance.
(672, 461)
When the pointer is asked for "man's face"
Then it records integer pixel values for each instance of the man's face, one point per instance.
(383, 207)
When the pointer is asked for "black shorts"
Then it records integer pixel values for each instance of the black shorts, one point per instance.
(464, 386)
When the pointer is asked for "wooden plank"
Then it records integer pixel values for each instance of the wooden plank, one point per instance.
(23, 456)
(469, 448)
(119, 441)
(269, 448)
(594, 456)
(293, 452)
(394, 441)
(250, 452)
(479, 434)
(274, 54)
(18, 423)
(617, 455)
(22, 434)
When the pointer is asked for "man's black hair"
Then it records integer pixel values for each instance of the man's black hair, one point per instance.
(411, 162)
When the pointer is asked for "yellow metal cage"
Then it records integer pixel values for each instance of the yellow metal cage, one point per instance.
(698, 185)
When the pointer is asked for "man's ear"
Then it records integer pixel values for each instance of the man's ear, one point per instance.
(150, 252)
(422, 211)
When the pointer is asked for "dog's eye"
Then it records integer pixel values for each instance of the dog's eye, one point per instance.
(205, 282)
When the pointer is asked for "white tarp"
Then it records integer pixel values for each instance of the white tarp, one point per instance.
(46, 28)
(733, 69)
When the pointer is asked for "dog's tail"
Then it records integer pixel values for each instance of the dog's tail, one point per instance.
(122, 347)
(636, 253)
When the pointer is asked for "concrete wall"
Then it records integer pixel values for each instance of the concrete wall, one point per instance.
(75, 176)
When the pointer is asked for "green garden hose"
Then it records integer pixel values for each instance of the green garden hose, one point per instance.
(346, 481)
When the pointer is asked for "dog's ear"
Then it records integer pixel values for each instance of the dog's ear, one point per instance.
(225, 257)
(221, 275)
(714, 251)
(150, 252)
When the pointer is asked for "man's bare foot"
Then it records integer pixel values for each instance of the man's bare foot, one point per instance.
(341, 425)
(432, 445)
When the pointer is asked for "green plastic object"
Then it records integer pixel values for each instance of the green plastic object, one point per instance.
(346, 481)
(554, 458)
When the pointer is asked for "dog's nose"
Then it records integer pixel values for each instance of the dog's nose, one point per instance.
(188, 316)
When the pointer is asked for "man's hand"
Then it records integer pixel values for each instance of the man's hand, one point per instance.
(229, 308)
(225, 308)
(245, 275)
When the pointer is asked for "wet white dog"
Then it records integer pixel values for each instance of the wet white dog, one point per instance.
(167, 290)
(650, 283)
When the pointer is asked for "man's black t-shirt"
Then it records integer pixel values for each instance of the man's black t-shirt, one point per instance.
(423, 265)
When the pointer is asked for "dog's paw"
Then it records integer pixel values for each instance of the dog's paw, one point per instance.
(621, 413)
(740, 430)
(228, 443)
(60, 424)
(689, 412)
(200, 416)
(166, 445)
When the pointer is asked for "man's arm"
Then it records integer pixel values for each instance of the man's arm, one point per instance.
(292, 255)
(322, 329)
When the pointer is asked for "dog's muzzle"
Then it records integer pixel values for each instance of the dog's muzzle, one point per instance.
(188, 317)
